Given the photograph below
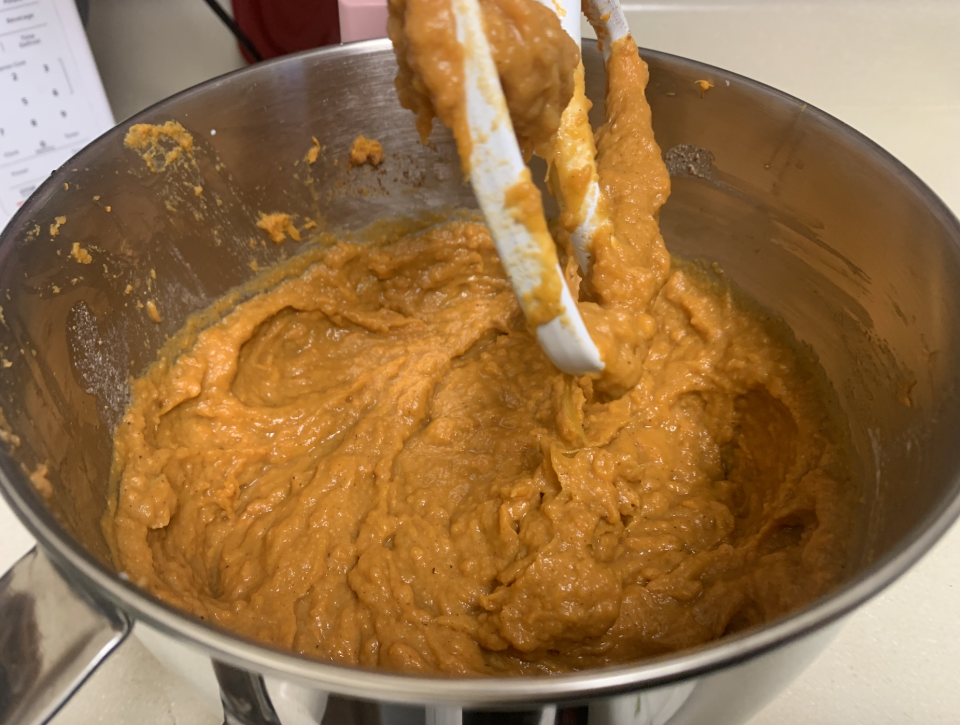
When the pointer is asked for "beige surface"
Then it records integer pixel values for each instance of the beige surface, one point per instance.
(896, 659)
(147, 50)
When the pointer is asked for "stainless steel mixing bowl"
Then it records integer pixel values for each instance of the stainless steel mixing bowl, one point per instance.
(811, 218)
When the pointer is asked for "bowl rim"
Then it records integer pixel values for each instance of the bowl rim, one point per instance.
(88, 573)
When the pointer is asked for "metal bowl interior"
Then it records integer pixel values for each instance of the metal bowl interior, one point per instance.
(813, 220)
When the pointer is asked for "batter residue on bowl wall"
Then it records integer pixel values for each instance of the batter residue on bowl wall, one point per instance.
(375, 463)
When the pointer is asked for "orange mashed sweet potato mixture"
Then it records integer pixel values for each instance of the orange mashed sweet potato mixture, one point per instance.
(374, 462)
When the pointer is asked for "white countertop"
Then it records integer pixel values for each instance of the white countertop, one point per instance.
(890, 69)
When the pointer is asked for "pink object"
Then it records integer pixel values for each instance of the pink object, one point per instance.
(362, 19)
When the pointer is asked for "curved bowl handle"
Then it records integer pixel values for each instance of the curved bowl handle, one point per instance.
(52, 637)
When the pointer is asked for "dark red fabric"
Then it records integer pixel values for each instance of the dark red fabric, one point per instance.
(278, 27)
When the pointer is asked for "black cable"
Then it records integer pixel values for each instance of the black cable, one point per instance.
(238, 33)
